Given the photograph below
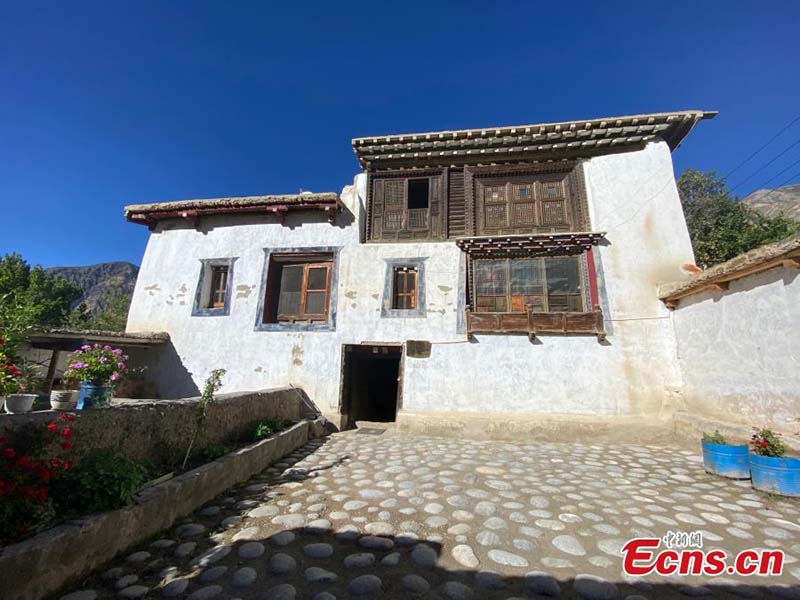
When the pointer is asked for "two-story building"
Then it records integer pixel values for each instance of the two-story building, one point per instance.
(464, 277)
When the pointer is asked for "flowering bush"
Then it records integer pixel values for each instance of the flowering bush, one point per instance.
(767, 443)
(26, 476)
(16, 375)
(97, 364)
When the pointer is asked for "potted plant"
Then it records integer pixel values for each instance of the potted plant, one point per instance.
(722, 458)
(772, 471)
(17, 380)
(64, 396)
(97, 368)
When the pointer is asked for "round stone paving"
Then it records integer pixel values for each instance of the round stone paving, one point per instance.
(394, 516)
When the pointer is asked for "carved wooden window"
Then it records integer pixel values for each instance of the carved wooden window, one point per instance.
(522, 204)
(406, 208)
(298, 288)
(404, 288)
(552, 284)
(219, 287)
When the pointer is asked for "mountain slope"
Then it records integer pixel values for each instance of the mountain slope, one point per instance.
(771, 203)
(97, 281)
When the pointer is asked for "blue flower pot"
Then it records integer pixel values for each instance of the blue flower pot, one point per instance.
(726, 461)
(776, 475)
(93, 396)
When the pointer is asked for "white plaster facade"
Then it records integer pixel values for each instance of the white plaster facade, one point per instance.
(738, 351)
(632, 196)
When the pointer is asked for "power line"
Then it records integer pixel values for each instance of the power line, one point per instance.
(757, 171)
(772, 139)
(780, 173)
(772, 191)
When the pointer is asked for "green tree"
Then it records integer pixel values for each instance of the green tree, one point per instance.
(44, 299)
(113, 316)
(720, 226)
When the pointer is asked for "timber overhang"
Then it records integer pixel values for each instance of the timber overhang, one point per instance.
(566, 140)
(149, 214)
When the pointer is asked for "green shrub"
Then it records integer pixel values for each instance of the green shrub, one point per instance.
(767, 443)
(267, 428)
(714, 438)
(213, 452)
(101, 481)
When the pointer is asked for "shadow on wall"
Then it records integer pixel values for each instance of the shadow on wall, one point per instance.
(171, 377)
(308, 559)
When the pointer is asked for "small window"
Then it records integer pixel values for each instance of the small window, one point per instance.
(404, 288)
(298, 288)
(213, 294)
(219, 287)
(418, 193)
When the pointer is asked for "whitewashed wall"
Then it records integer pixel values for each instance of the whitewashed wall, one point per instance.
(632, 196)
(738, 350)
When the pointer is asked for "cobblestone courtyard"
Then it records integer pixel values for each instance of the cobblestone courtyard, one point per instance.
(394, 516)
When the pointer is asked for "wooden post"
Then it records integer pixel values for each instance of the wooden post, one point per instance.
(51, 371)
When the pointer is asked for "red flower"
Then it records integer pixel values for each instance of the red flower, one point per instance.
(9, 453)
(45, 475)
(66, 445)
(41, 495)
(52, 427)
(67, 417)
(67, 465)
(26, 491)
(24, 462)
(763, 443)
(55, 463)
(66, 432)
(3, 440)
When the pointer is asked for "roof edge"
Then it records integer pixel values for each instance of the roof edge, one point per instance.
(717, 277)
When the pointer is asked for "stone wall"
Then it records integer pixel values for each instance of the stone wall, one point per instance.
(39, 566)
(158, 431)
(738, 351)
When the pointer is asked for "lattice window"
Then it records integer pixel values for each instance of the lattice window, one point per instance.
(525, 213)
(552, 189)
(544, 284)
(394, 192)
(392, 220)
(219, 286)
(554, 213)
(522, 191)
(494, 194)
(418, 218)
(298, 289)
(495, 215)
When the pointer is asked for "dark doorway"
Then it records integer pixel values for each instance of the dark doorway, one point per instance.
(370, 390)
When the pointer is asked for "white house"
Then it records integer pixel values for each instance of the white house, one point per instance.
(464, 276)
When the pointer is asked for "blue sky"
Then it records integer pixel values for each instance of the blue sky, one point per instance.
(110, 103)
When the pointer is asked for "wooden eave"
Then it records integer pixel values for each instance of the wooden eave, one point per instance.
(71, 339)
(543, 244)
(193, 210)
(785, 254)
(547, 141)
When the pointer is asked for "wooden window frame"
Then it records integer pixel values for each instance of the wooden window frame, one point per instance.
(584, 285)
(219, 286)
(213, 294)
(396, 221)
(303, 315)
(570, 195)
(411, 291)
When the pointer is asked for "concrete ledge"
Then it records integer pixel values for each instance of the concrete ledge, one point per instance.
(540, 427)
(45, 563)
(692, 427)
